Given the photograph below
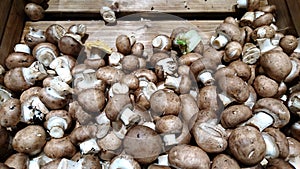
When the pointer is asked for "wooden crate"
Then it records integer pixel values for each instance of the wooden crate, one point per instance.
(203, 14)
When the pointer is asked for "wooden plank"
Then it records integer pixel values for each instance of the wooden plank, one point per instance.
(13, 29)
(170, 6)
(283, 17)
(144, 31)
(294, 6)
(5, 7)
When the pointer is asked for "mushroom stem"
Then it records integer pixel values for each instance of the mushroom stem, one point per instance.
(35, 72)
(149, 90)
(129, 117)
(206, 77)
(170, 139)
(115, 58)
(242, 3)
(108, 14)
(265, 45)
(219, 41)
(271, 146)
(160, 42)
(68, 164)
(163, 160)
(294, 103)
(89, 146)
(61, 66)
(295, 161)
(226, 100)
(56, 126)
(89, 75)
(173, 82)
(22, 48)
(261, 120)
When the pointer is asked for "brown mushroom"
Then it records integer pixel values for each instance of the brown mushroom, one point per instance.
(30, 140)
(234, 115)
(187, 156)
(59, 148)
(54, 32)
(208, 98)
(247, 145)
(109, 74)
(265, 86)
(91, 100)
(57, 121)
(226, 32)
(123, 44)
(69, 45)
(45, 53)
(138, 49)
(223, 161)
(288, 43)
(17, 160)
(34, 37)
(262, 19)
(34, 11)
(18, 59)
(10, 112)
(233, 50)
(135, 140)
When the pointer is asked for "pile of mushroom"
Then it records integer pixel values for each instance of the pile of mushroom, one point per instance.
(232, 102)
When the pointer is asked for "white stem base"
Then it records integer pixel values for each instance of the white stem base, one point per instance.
(226, 100)
(206, 78)
(170, 139)
(69, 164)
(89, 147)
(108, 14)
(173, 82)
(129, 117)
(220, 41)
(265, 45)
(163, 160)
(22, 48)
(261, 120)
(242, 3)
(149, 90)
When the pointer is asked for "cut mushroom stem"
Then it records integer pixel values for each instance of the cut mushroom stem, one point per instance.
(173, 82)
(108, 14)
(219, 41)
(89, 146)
(272, 150)
(35, 72)
(261, 120)
(163, 160)
(129, 117)
(161, 42)
(170, 139)
(56, 126)
(206, 77)
(265, 45)
(22, 48)
(226, 100)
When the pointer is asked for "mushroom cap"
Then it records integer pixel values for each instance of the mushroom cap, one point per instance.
(263, 32)
(54, 32)
(59, 113)
(34, 37)
(138, 49)
(29, 92)
(91, 100)
(265, 86)
(288, 43)
(30, 140)
(168, 124)
(280, 140)
(231, 31)
(17, 160)
(123, 44)
(208, 98)
(69, 46)
(34, 11)
(223, 161)
(18, 59)
(82, 133)
(145, 73)
(253, 5)
(14, 80)
(165, 102)
(233, 50)
(109, 74)
(115, 105)
(52, 101)
(210, 137)
(265, 19)
(235, 115)
(278, 163)
(189, 58)
(242, 69)
(59, 148)
(247, 145)
(204, 63)
(274, 108)
(276, 65)
(187, 156)
(143, 144)
(157, 57)
(130, 63)
(10, 112)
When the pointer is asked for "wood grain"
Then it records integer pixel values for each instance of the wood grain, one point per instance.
(176, 6)
(294, 6)
(144, 31)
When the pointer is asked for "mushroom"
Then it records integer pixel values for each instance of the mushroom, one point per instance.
(210, 137)
(108, 15)
(241, 69)
(10, 112)
(30, 140)
(70, 44)
(295, 130)
(293, 102)
(288, 43)
(91, 100)
(54, 32)
(138, 49)
(123, 44)
(203, 69)
(34, 37)
(247, 145)
(88, 80)
(276, 65)
(208, 98)
(265, 86)
(22, 78)
(234, 115)
(34, 11)
(294, 156)
(59, 148)
(262, 18)
(79, 29)
(189, 58)
(116, 106)
(233, 50)
(161, 43)
(223, 161)
(95, 59)
(62, 66)
(226, 32)
(273, 111)
(17, 160)
(251, 5)
(45, 53)
(278, 163)
(18, 59)
(110, 145)
(57, 121)
(130, 63)
(124, 160)
(135, 140)
(164, 102)
(247, 19)
(295, 70)
(5, 144)
(276, 143)
(189, 108)
(187, 156)
(263, 32)
(109, 75)
(250, 53)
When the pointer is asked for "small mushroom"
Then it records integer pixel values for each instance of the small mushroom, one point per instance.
(265, 86)
(91, 100)
(57, 121)
(187, 156)
(247, 145)
(34, 11)
(288, 43)
(30, 140)
(123, 44)
(18, 59)
(138, 49)
(108, 15)
(234, 115)
(54, 32)
(62, 66)
(162, 43)
(226, 32)
(10, 112)
(233, 50)
(273, 111)
(262, 18)
(59, 148)
(69, 44)
(207, 98)
(109, 75)
(17, 160)
(223, 161)
(34, 37)
(110, 145)
(45, 53)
